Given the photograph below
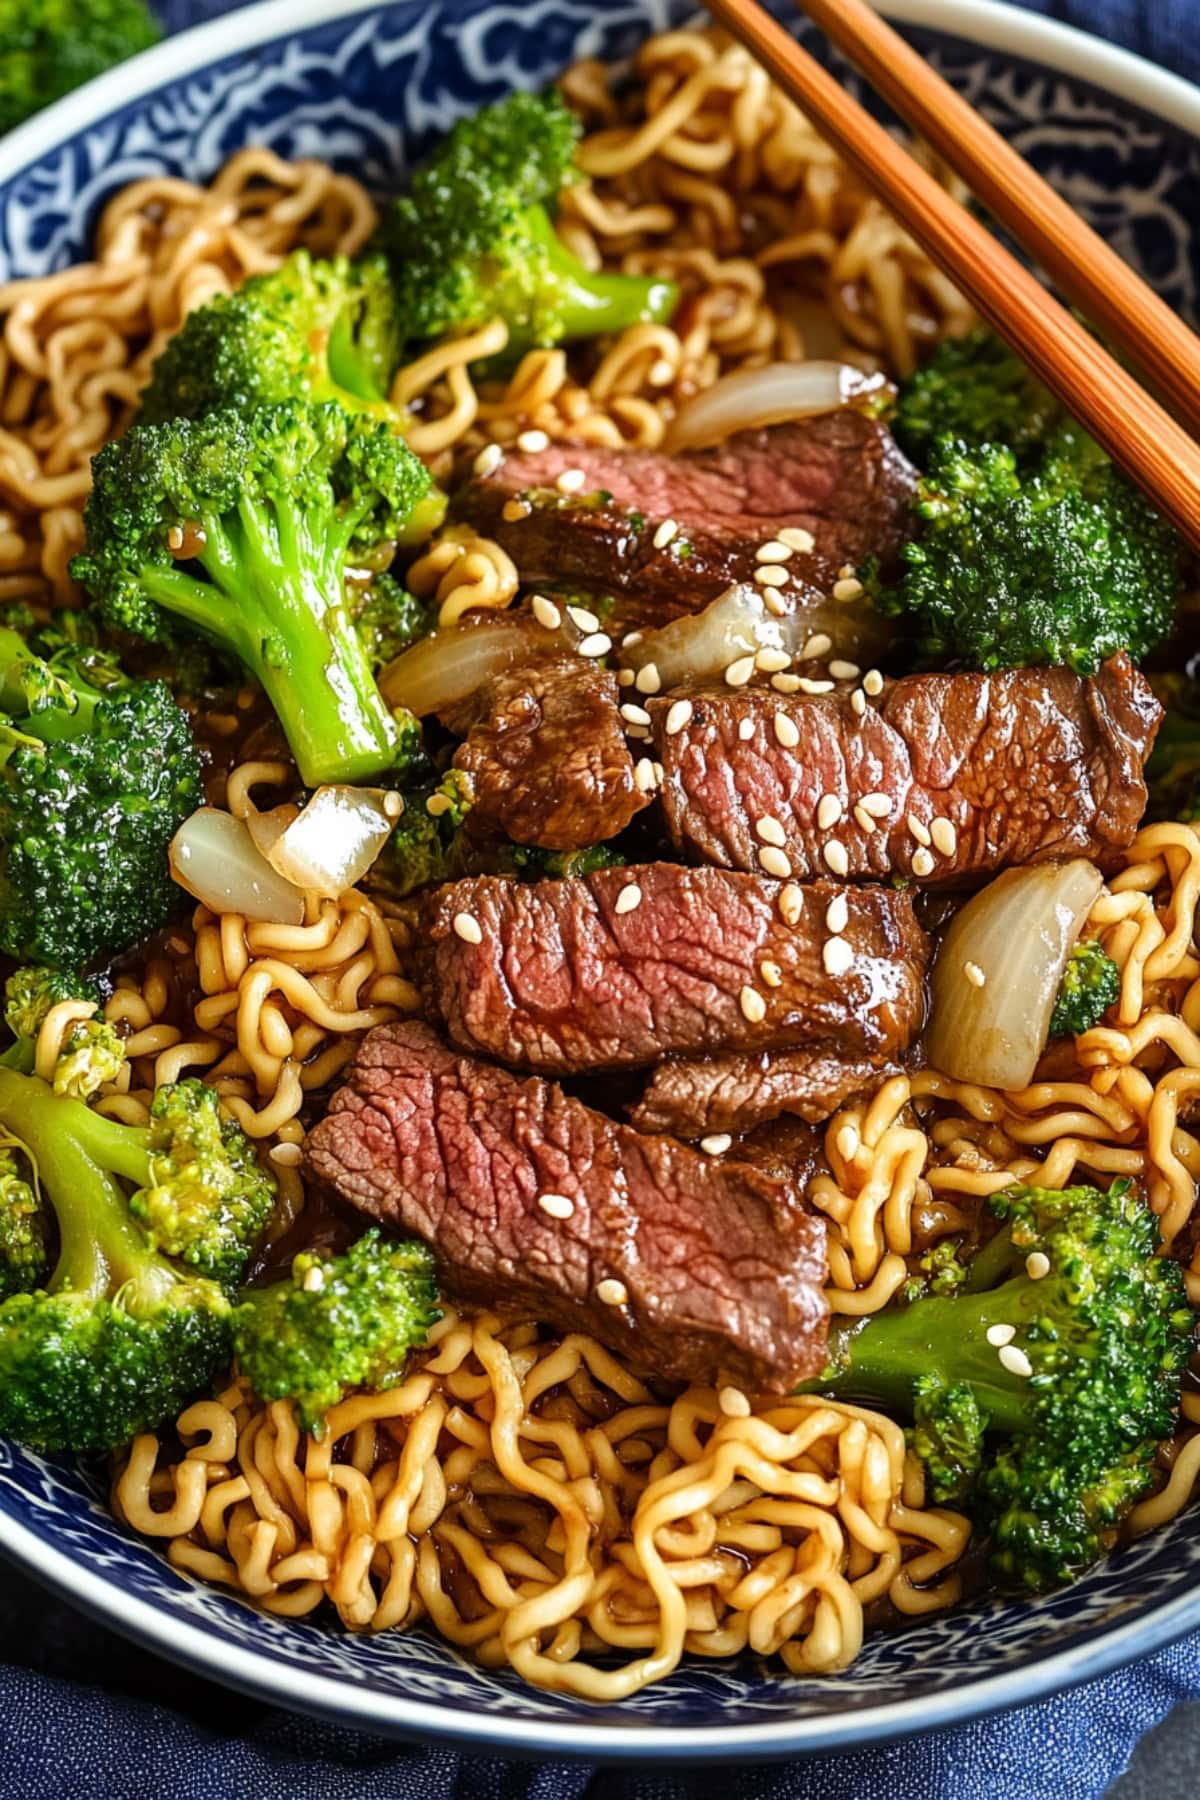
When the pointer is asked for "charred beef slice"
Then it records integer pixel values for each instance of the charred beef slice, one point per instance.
(943, 778)
(840, 477)
(615, 969)
(547, 756)
(695, 1097)
(719, 1266)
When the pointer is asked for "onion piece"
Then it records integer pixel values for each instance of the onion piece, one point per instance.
(214, 857)
(768, 396)
(330, 845)
(737, 623)
(1018, 933)
(449, 665)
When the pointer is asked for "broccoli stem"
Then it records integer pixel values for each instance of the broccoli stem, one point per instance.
(590, 304)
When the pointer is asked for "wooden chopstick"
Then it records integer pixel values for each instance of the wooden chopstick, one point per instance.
(1088, 270)
(1135, 430)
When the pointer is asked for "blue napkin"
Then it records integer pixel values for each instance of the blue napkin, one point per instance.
(85, 1717)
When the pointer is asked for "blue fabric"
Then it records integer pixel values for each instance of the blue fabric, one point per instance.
(85, 1717)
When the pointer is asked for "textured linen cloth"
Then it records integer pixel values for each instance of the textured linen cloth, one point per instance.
(84, 1716)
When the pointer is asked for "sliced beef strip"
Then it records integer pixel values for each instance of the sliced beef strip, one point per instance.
(840, 477)
(967, 773)
(696, 1097)
(720, 1267)
(547, 756)
(614, 969)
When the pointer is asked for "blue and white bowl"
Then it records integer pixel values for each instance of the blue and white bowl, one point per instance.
(367, 85)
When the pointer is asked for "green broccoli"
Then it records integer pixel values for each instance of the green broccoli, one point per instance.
(239, 526)
(119, 1336)
(975, 390)
(344, 1322)
(97, 773)
(1042, 1388)
(941, 1270)
(1091, 983)
(23, 1255)
(1173, 769)
(472, 240)
(388, 618)
(426, 845)
(535, 864)
(49, 47)
(92, 1051)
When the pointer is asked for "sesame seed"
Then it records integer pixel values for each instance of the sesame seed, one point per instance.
(586, 621)
(837, 914)
(771, 575)
(437, 804)
(796, 538)
(558, 1206)
(717, 1144)
(858, 702)
(630, 639)
(863, 818)
(612, 1293)
(835, 857)
(393, 805)
(738, 673)
(847, 589)
(791, 904)
(837, 956)
(666, 531)
(774, 862)
(922, 863)
(1037, 1265)
(999, 1335)
(661, 372)
(819, 644)
(772, 661)
(643, 776)
(647, 679)
(829, 811)
(634, 715)
(945, 837)
(597, 643)
(746, 730)
(844, 671)
(733, 1403)
(808, 686)
(1015, 1360)
(775, 603)
(878, 805)
(786, 684)
(974, 974)
(286, 1155)
(678, 716)
(919, 832)
(773, 551)
(770, 830)
(545, 612)
(515, 509)
(873, 682)
(754, 1007)
(570, 481)
(658, 773)
(533, 441)
(488, 460)
(467, 928)
(629, 899)
(175, 537)
(771, 973)
(786, 731)
(314, 1280)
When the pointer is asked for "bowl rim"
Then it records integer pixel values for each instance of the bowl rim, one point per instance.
(992, 25)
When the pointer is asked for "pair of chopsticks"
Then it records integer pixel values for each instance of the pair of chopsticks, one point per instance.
(1139, 434)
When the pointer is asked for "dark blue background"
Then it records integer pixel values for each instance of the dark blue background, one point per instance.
(84, 1716)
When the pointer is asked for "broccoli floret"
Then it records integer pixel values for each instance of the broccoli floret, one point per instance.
(1173, 770)
(339, 1323)
(49, 47)
(1091, 983)
(388, 618)
(472, 240)
(239, 526)
(941, 1270)
(94, 783)
(92, 1051)
(975, 390)
(426, 846)
(535, 864)
(1075, 1388)
(29, 993)
(1066, 563)
(118, 1336)
(23, 1256)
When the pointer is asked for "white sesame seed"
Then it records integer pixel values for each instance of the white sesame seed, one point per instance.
(770, 830)
(545, 612)
(844, 671)
(847, 589)
(629, 899)
(515, 509)
(393, 806)
(771, 575)
(643, 776)
(754, 1007)
(774, 862)
(819, 644)
(658, 773)
(733, 1403)
(583, 618)
(945, 837)
(624, 678)
(1015, 1360)
(647, 680)
(175, 537)
(873, 682)
(612, 1293)
(863, 818)
(837, 914)
(437, 804)
(570, 481)
(808, 686)
(999, 1335)
(772, 661)
(1037, 1265)
(666, 531)
(678, 716)
(791, 904)
(796, 538)
(630, 639)
(829, 811)
(787, 732)
(558, 1206)
(717, 1144)
(922, 863)
(835, 857)
(786, 684)
(775, 603)
(533, 441)
(746, 730)
(858, 702)
(314, 1280)
(837, 956)
(974, 974)
(467, 928)
(634, 715)
(597, 643)
(918, 830)
(738, 673)
(488, 460)
(878, 805)
(771, 973)
(286, 1155)
(773, 551)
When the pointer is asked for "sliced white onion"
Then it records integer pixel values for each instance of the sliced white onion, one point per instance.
(330, 845)
(768, 396)
(214, 857)
(266, 828)
(1017, 933)
(737, 623)
(447, 667)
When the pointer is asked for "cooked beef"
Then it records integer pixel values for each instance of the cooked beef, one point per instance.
(548, 759)
(840, 477)
(784, 1146)
(695, 1097)
(686, 1264)
(944, 777)
(615, 969)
